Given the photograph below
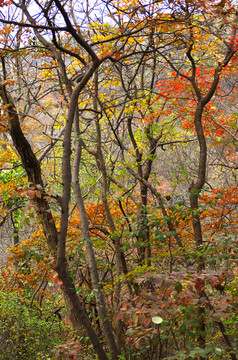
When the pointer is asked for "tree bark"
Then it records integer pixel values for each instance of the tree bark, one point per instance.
(100, 301)
(32, 167)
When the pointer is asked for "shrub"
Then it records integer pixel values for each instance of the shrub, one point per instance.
(26, 333)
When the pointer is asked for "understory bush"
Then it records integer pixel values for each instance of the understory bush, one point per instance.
(27, 333)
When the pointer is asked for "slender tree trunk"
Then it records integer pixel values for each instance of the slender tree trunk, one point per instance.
(31, 165)
(100, 301)
(119, 255)
(195, 189)
(197, 186)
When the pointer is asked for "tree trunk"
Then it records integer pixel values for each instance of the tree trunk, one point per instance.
(31, 165)
(101, 307)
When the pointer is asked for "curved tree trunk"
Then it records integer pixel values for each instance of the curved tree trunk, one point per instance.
(100, 301)
(32, 167)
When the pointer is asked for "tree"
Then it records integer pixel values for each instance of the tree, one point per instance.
(126, 88)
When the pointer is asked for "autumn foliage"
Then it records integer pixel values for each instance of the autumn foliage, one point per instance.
(118, 196)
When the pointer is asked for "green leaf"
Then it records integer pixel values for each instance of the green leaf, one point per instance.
(182, 329)
(218, 351)
(135, 318)
(178, 287)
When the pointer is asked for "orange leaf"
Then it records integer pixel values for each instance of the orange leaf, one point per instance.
(117, 55)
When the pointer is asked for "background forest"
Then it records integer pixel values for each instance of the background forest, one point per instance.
(118, 182)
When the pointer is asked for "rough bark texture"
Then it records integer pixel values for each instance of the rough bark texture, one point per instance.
(197, 186)
(101, 307)
(74, 306)
(66, 170)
